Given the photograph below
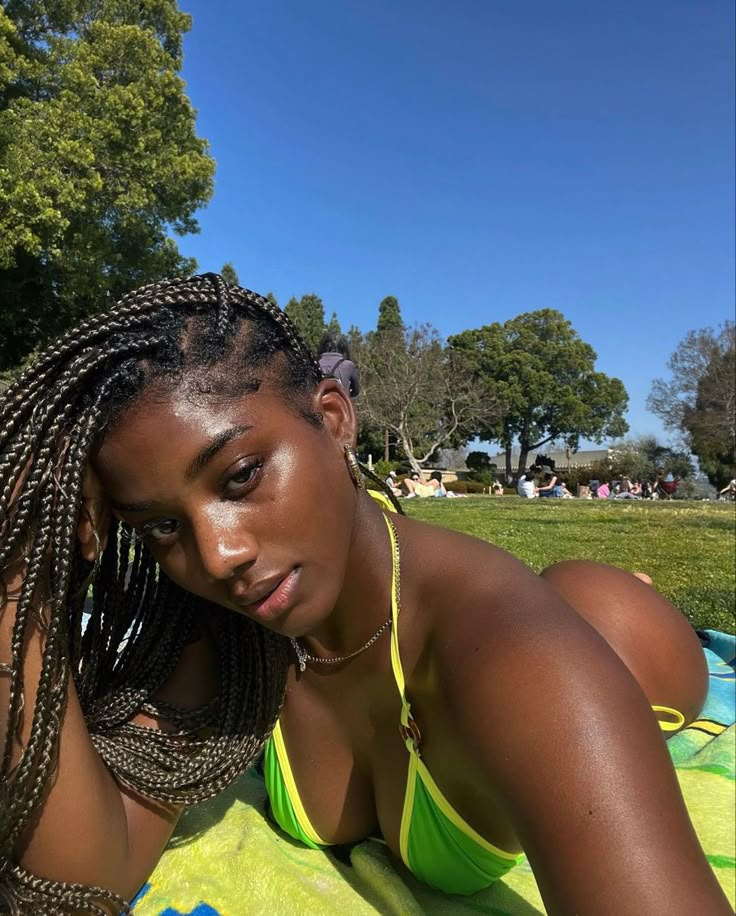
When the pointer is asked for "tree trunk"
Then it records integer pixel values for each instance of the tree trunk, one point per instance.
(523, 447)
(509, 472)
(409, 452)
(386, 454)
(523, 455)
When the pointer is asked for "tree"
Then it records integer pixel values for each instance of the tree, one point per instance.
(479, 465)
(639, 458)
(544, 375)
(478, 461)
(99, 159)
(415, 387)
(308, 314)
(333, 328)
(699, 400)
(229, 274)
(389, 315)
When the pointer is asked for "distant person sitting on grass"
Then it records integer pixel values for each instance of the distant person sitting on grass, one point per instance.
(729, 491)
(497, 488)
(603, 491)
(525, 485)
(433, 487)
(392, 482)
(550, 488)
(628, 490)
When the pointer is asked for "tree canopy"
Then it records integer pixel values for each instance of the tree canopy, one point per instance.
(99, 159)
(333, 327)
(699, 400)
(640, 457)
(414, 387)
(229, 274)
(308, 314)
(389, 315)
(544, 375)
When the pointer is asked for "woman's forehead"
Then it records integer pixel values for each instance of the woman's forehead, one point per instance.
(181, 419)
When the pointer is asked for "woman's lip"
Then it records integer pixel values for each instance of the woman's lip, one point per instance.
(276, 602)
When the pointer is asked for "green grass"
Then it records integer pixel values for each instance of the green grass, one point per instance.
(688, 548)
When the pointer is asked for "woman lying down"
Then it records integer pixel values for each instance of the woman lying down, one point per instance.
(382, 663)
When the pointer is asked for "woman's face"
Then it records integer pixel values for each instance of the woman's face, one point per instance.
(242, 501)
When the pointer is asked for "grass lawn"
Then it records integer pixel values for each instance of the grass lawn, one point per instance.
(688, 548)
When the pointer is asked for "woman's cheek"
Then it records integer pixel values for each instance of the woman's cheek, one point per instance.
(283, 468)
(173, 562)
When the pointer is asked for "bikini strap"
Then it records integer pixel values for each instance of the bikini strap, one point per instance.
(407, 726)
(666, 726)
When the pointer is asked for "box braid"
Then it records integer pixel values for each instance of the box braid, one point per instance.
(51, 419)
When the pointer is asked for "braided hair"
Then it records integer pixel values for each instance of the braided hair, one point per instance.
(51, 420)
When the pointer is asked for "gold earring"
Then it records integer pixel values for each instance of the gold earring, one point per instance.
(351, 459)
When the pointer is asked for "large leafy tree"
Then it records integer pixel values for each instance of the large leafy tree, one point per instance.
(99, 159)
(699, 400)
(545, 376)
(415, 388)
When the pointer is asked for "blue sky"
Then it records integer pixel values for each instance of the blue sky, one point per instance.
(477, 159)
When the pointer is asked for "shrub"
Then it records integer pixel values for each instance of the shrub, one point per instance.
(464, 486)
(484, 477)
(383, 467)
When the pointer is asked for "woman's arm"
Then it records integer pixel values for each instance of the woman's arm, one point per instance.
(88, 829)
(556, 724)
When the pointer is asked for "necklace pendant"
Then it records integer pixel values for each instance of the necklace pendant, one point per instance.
(301, 655)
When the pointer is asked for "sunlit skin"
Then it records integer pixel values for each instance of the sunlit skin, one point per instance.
(533, 727)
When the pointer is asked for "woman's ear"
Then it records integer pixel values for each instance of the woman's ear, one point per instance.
(334, 404)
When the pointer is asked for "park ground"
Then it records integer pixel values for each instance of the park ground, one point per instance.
(688, 548)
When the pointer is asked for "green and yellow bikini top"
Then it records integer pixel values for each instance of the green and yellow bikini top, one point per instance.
(437, 845)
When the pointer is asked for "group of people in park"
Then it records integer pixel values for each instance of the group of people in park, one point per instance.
(538, 481)
(413, 486)
(542, 481)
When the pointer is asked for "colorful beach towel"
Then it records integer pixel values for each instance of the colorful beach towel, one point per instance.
(226, 858)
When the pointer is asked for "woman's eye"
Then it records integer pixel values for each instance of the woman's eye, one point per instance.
(159, 531)
(242, 479)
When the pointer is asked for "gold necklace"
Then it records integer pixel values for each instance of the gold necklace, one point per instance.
(303, 657)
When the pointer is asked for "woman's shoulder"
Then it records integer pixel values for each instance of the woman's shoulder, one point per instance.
(453, 575)
(476, 597)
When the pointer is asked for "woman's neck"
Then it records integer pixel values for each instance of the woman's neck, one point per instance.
(364, 602)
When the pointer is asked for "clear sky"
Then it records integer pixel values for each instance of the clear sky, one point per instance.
(477, 159)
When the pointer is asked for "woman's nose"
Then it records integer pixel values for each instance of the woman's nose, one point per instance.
(224, 549)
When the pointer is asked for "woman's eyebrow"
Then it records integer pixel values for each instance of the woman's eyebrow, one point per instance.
(131, 507)
(209, 451)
